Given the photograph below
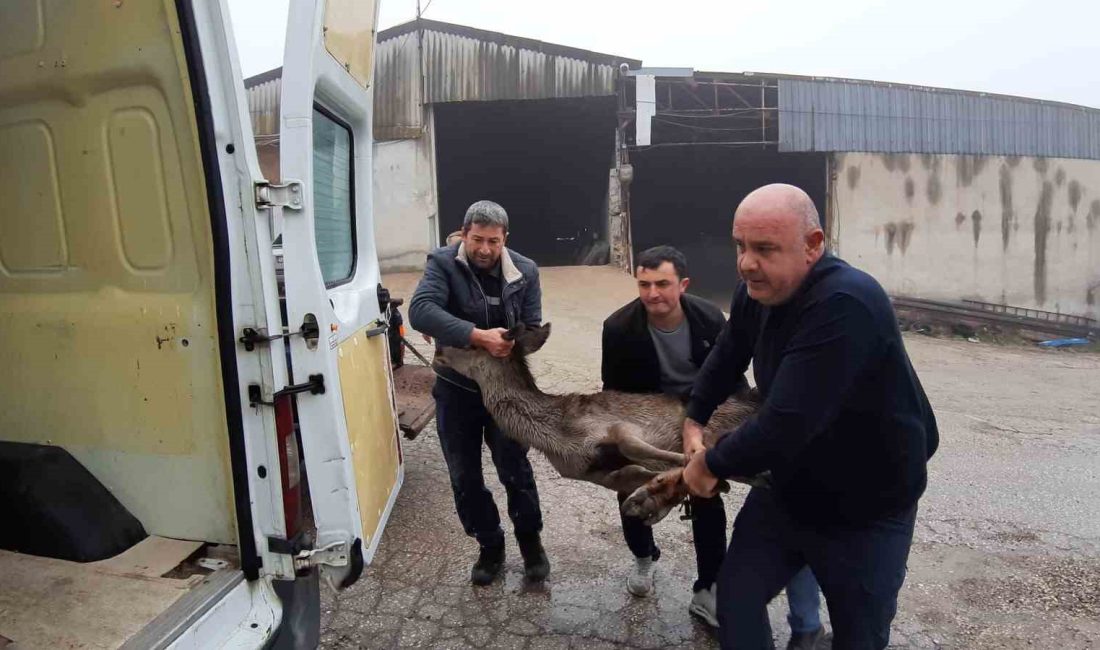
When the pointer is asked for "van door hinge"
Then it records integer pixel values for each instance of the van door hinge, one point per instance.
(335, 554)
(315, 386)
(251, 337)
(286, 195)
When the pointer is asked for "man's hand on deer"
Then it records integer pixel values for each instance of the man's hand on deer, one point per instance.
(693, 439)
(493, 341)
(698, 478)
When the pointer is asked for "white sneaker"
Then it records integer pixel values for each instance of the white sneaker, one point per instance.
(704, 606)
(640, 582)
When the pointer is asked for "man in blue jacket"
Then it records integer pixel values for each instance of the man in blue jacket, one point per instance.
(471, 293)
(845, 430)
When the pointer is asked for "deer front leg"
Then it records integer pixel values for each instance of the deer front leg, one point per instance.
(627, 437)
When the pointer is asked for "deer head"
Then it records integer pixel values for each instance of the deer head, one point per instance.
(482, 367)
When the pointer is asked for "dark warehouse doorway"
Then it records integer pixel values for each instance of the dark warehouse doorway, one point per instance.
(546, 161)
(685, 197)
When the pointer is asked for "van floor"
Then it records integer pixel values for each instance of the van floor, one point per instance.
(49, 603)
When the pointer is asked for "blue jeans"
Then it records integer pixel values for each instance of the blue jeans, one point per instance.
(462, 424)
(860, 569)
(803, 602)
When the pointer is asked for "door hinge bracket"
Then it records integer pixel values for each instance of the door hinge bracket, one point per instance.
(335, 554)
(285, 195)
(315, 386)
(251, 337)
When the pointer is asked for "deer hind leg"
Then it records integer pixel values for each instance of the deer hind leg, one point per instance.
(628, 438)
(625, 479)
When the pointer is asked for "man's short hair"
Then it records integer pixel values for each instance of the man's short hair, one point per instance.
(485, 213)
(653, 258)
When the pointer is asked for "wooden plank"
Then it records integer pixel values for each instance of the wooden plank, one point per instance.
(48, 603)
(152, 557)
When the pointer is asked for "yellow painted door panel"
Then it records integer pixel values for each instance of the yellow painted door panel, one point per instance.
(372, 430)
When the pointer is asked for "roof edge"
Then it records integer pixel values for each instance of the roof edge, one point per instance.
(505, 39)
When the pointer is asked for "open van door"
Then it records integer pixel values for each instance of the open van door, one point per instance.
(339, 356)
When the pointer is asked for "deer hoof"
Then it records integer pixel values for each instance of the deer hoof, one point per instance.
(646, 506)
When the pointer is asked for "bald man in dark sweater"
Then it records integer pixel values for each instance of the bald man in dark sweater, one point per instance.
(845, 430)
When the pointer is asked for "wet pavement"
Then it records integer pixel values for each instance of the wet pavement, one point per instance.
(1007, 550)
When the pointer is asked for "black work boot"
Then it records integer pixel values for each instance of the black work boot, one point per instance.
(489, 561)
(536, 566)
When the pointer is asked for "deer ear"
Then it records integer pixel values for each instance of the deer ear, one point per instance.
(534, 338)
(515, 333)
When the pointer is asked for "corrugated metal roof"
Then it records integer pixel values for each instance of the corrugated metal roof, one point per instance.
(847, 115)
(460, 64)
(463, 64)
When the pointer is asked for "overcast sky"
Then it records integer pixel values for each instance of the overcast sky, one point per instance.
(1047, 50)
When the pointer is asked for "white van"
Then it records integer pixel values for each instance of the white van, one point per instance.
(159, 420)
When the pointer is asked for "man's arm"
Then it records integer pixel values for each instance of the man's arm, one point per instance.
(531, 314)
(723, 373)
(820, 366)
(609, 361)
(428, 309)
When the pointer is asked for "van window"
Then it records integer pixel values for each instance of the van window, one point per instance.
(333, 226)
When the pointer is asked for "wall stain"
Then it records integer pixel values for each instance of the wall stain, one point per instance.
(959, 219)
(1093, 217)
(853, 177)
(935, 187)
(891, 229)
(1041, 165)
(1042, 228)
(1071, 224)
(1012, 160)
(892, 161)
(1058, 226)
(926, 160)
(1075, 192)
(910, 189)
(1006, 205)
(1090, 295)
(906, 232)
(1060, 177)
(969, 167)
(976, 223)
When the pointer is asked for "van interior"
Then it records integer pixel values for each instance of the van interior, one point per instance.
(116, 493)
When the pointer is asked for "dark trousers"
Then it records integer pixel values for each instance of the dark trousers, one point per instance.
(708, 527)
(860, 570)
(463, 423)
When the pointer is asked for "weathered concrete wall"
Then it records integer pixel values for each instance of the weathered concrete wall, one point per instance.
(404, 202)
(1012, 230)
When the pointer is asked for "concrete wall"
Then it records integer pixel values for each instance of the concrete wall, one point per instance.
(1013, 230)
(405, 213)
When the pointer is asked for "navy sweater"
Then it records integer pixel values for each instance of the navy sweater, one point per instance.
(846, 428)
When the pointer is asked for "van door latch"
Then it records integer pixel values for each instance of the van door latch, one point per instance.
(284, 195)
(315, 386)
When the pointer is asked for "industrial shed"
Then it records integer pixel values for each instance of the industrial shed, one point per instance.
(942, 195)
(463, 114)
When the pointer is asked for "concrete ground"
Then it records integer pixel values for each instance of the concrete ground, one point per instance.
(1007, 549)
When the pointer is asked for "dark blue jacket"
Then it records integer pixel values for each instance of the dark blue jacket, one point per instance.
(845, 428)
(448, 302)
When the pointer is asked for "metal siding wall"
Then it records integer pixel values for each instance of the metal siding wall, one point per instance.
(263, 107)
(822, 115)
